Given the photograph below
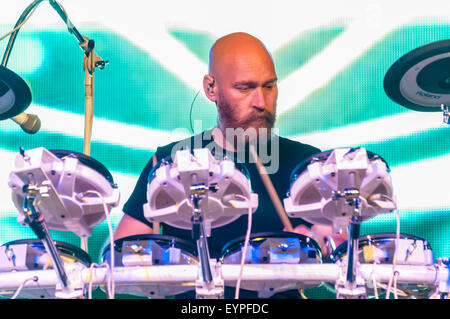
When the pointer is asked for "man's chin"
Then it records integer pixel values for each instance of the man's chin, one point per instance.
(260, 130)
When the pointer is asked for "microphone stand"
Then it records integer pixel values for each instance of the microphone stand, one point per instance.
(90, 61)
(13, 36)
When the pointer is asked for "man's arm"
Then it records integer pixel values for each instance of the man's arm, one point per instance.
(129, 226)
(321, 233)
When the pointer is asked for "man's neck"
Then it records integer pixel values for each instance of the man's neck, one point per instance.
(220, 139)
(232, 142)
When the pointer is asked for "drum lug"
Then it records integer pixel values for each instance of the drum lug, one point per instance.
(349, 290)
(214, 289)
(13, 257)
(442, 290)
(446, 113)
(75, 290)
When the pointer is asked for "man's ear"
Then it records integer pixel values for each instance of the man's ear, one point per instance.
(209, 87)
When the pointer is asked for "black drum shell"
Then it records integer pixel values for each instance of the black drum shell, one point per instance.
(87, 161)
(188, 248)
(374, 239)
(313, 248)
(64, 249)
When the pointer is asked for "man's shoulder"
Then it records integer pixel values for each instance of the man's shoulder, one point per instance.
(190, 142)
(290, 144)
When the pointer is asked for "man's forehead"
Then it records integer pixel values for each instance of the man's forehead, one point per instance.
(241, 51)
(239, 40)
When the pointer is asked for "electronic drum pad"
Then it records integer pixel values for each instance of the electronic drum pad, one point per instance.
(420, 80)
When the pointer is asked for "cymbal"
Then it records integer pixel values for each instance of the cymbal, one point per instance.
(420, 80)
(15, 95)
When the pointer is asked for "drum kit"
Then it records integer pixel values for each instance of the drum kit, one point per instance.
(342, 188)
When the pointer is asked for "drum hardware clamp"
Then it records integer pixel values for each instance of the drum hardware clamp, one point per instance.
(355, 289)
(351, 196)
(215, 287)
(35, 219)
(445, 110)
(442, 290)
(200, 236)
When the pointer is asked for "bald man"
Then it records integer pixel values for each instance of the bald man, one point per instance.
(242, 83)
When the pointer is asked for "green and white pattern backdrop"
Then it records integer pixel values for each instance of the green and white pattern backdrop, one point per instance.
(331, 58)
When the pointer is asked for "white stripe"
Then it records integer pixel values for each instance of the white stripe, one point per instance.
(169, 52)
(377, 130)
(117, 133)
(106, 131)
(422, 185)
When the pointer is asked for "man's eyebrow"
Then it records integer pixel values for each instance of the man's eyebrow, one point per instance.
(274, 80)
(254, 83)
(244, 82)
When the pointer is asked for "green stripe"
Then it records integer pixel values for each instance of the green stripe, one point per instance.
(357, 94)
(420, 146)
(199, 43)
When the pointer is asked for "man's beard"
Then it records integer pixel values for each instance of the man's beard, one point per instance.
(259, 122)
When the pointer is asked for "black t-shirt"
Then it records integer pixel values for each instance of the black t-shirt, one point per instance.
(285, 153)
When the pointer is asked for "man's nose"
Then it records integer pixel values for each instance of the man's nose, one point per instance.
(259, 99)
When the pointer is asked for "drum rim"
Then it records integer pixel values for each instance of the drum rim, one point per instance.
(88, 161)
(239, 240)
(62, 247)
(180, 241)
(338, 251)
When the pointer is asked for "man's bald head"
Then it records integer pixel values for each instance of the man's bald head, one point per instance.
(242, 82)
(238, 45)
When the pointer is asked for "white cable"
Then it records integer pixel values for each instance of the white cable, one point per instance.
(244, 252)
(20, 25)
(395, 285)
(397, 239)
(374, 280)
(111, 284)
(91, 276)
(19, 289)
(109, 281)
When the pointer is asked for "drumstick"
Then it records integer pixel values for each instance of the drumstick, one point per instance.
(271, 190)
(156, 229)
